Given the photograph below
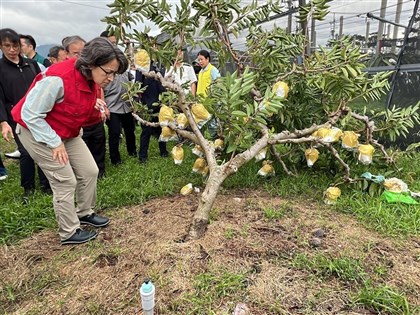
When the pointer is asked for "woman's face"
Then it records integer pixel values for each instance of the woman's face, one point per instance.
(103, 75)
(10, 50)
(203, 61)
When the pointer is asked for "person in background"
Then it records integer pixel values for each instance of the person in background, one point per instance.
(206, 76)
(28, 45)
(184, 74)
(120, 114)
(93, 135)
(57, 54)
(16, 75)
(73, 45)
(50, 116)
(149, 97)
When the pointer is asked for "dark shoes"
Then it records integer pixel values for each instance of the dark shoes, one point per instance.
(80, 237)
(94, 220)
(164, 154)
(143, 160)
(46, 190)
(28, 192)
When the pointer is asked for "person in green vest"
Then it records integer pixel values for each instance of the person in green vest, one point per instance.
(206, 76)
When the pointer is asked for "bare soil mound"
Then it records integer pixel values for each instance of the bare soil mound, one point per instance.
(252, 253)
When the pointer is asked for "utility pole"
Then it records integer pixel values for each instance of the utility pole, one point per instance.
(381, 27)
(397, 21)
(289, 17)
(340, 29)
(313, 36)
(367, 33)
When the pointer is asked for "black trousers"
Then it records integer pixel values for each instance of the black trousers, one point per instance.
(94, 137)
(27, 167)
(115, 123)
(146, 133)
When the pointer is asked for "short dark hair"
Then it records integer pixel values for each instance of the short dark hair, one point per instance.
(97, 52)
(29, 40)
(54, 51)
(11, 35)
(205, 54)
(104, 34)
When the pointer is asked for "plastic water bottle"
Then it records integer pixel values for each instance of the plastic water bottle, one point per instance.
(147, 293)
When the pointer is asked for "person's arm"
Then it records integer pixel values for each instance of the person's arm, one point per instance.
(192, 77)
(39, 102)
(214, 74)
(5, 127)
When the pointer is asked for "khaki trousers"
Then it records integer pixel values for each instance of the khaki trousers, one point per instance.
(72, 183)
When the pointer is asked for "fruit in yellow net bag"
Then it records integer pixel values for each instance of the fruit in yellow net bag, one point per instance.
(267, 169)
(187, 189)
(182, 121)
(167, 134)
(166, 115)
(198, 150)
(142, 60)
(178, 154)
(218, 144)
(261, 155)
(200, 114)
(199, 164)
(281, 89)
(395, 185)
(366, 153)
(205, 170)
(312, 156)
(349, 140)
(331, 195)
(328, 135)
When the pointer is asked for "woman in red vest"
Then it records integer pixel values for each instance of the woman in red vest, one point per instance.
(50, 116)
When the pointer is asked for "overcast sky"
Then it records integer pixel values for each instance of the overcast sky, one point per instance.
(51, 20)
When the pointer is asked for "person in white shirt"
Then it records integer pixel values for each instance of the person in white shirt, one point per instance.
(183, 73)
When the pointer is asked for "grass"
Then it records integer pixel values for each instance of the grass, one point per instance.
(344, 268)
(134, 183)
(384, 300)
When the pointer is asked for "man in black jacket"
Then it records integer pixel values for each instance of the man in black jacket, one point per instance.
(149, 97)
(16, 75)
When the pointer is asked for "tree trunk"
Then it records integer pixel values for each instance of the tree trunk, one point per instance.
(201, 217)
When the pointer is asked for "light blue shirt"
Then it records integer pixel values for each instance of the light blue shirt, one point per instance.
(214, 73)
(39, 102)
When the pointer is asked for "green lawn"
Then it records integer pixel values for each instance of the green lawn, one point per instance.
(133, 183)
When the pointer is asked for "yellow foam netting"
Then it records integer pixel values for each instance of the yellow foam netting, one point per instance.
(200, 114)
(395, 185)
(331, 195)
(267, 169)
(182, 121)
(142, 60)
(281, 89)
(178, 154)
(166, 115)
(167, 134)
(312, 156)
(366, 153)
(187, 189)
(199, 165)
(349, 140)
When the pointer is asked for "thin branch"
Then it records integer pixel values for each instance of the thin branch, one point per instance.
(274, 151)
(334, 152)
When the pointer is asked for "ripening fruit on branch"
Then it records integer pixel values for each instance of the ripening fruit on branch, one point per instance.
(312, 156)
(281, 89)
(331, 195)
(366, 153)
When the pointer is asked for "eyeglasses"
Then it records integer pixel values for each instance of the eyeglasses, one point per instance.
(9, 47)
(109, 74)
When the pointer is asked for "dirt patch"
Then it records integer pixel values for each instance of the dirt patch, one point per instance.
(39, 276)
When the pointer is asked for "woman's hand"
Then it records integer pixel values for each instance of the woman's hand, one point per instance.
(5, 130)
(101, 106)
(60, 153)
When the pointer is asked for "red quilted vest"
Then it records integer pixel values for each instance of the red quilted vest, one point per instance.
(77, 108)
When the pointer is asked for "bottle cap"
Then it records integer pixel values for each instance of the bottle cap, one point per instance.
(147, 286)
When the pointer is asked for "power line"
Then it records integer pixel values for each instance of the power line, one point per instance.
(86, 5)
